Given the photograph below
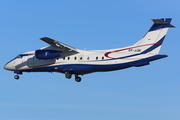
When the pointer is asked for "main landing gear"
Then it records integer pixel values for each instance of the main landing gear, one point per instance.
(77, 78)
(68, 75)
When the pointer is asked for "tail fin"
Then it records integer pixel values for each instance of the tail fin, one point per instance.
(152, 41)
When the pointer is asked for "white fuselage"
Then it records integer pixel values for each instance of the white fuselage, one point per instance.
(27, 61)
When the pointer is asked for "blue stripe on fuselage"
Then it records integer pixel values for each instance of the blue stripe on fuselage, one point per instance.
(159, 43)
(88, 68)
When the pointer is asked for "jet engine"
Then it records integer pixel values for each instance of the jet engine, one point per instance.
(47, 54)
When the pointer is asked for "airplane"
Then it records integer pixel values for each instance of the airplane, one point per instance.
(62, 58)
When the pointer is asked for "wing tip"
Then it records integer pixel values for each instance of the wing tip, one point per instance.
(45, 38)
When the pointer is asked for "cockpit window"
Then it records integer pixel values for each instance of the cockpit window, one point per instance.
(19, 56)
(23, 55)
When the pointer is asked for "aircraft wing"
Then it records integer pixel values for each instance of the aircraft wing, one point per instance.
(59, 45)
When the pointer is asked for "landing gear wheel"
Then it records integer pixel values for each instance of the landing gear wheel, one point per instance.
(78, 79)
(68, 75)
(16, 77)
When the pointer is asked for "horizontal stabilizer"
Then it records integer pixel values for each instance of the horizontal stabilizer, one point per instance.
(160, 22)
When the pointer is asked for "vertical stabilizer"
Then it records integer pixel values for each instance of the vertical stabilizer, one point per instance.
(153, 39)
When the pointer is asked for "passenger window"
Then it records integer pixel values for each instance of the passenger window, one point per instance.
(64, 58)
(88, 58)
(75, 58)
(96, 58)
(68, 58)
(102, 58)
(80, 58)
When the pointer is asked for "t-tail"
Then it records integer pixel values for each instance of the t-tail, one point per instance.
(153, 39)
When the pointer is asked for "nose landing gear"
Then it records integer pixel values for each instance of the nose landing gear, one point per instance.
(16, 77)
(18, 73)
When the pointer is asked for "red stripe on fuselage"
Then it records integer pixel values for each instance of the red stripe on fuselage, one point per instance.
(107, 54)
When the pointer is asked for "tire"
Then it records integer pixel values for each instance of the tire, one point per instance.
(68, 75)
(16, 77)
(78, 79)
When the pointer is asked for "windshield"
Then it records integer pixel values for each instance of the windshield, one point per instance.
(19, 56)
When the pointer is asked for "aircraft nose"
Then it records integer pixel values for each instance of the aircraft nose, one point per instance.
(9, 66)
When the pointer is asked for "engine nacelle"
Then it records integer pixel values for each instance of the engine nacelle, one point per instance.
(47, 54)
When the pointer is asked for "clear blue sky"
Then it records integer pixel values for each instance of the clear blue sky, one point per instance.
(146, 93)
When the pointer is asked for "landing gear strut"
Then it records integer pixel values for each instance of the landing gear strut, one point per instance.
(77, 78)
(16, 77)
